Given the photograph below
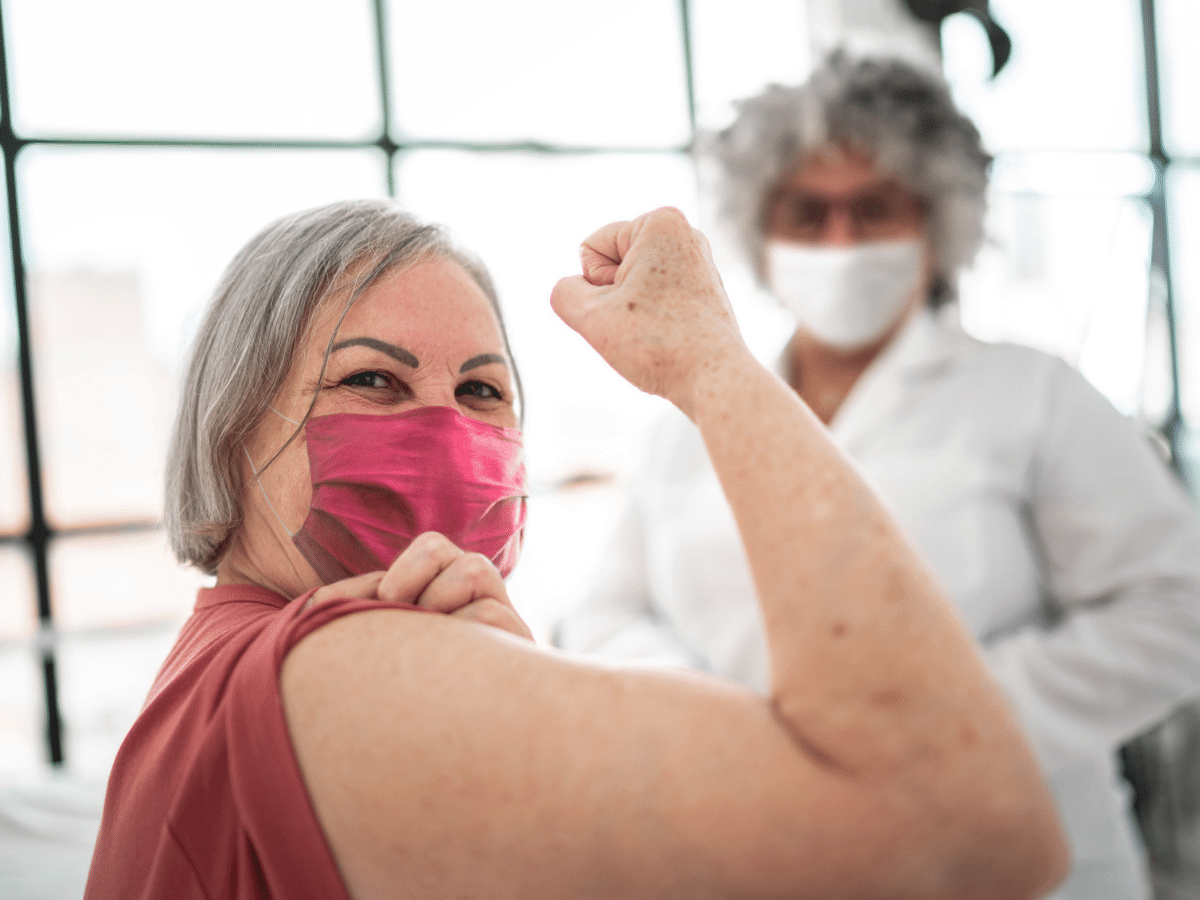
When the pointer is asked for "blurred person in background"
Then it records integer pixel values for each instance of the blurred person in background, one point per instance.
(1070, 551)
(355, 709)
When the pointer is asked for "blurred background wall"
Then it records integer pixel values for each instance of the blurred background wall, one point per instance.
(143, 142)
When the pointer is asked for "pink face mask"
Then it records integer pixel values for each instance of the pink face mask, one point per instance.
(379, 481)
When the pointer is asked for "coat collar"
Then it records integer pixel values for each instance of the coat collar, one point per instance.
(929, 344)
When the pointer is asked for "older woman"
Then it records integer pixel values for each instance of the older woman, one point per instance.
(1069, 550)
(354, 709)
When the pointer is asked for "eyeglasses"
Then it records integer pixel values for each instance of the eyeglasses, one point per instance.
(878, 212)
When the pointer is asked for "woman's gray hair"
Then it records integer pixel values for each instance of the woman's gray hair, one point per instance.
(901, 117)
(248, 340)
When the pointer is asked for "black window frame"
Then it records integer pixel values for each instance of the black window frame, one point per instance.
(39, 536)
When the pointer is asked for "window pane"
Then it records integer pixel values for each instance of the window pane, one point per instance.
(119, 600)
(739, 48)
(608, 74)
(14, 490)
(22, 713)
(103, 681)
(1066, 272)
(1184, 215)
(1075, 80)
(22, 709)
(565, 541)
(119, 580)
(1179, 73)
(526, 216)
(22, 705)
(18, 608)
(123, 248)
(224, 68)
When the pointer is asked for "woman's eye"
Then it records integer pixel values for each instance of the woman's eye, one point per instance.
(368, 380)
(478, 390)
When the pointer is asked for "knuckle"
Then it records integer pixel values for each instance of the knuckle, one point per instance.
(426, 541)
(476, 565)
(437, 546)
(491, 612)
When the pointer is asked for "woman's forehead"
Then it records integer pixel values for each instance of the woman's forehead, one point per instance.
(837, 168)
(433, 297)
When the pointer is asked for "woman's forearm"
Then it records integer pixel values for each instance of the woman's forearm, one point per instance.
(870, 667)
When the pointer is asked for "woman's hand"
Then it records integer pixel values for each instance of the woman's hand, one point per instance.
(651, 303)
(435, 574)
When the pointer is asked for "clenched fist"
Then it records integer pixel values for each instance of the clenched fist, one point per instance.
(650, 301)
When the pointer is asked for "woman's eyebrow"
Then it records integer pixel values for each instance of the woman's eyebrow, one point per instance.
(482, 359)
(397, 353)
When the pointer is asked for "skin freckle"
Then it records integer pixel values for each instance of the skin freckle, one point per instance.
(887, 698)
(631, 306)
(839, 629)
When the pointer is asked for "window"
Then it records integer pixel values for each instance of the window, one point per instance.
(145, 142)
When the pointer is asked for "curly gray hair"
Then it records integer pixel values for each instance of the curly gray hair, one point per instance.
(899, 116)
(248, 340)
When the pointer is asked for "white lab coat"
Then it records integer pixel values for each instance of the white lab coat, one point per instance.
(1070, 551)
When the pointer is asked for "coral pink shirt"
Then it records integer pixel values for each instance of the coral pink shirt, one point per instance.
(205, 799)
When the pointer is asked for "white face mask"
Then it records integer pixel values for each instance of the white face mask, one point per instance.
(846, 297)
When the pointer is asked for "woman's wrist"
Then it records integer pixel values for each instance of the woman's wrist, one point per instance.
(722, 376)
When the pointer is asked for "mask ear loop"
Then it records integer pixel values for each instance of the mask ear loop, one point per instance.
(254, 469)
(282, 416)
(270, 505)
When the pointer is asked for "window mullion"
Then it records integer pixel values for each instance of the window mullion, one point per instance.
(39, 534)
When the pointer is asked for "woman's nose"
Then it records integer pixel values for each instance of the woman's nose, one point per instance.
(838, 228)
(435, 392)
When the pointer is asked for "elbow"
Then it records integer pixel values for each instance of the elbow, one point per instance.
(1045, 854)
(994, 837)
(1058, 859)
(1017, 852)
